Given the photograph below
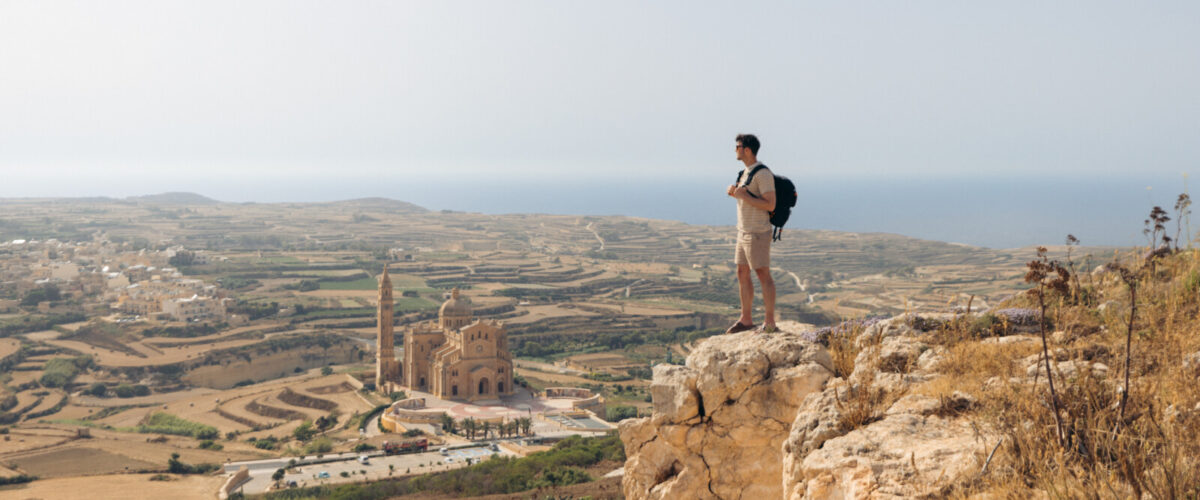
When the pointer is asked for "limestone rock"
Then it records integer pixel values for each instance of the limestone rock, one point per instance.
(1191, 362)
(673, 392)
(720, 420)
(1068, 369)
(758, 416)
(901, 456)
(1012, 339)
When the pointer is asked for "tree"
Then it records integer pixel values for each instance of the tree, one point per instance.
(324, 422)
(124, 391)
(97, 389)
(305, 431)
(448, 423)
(487, 428)
(279, 473)
(469, 426)
(619, 413)
(325, 370)
(41, 294)
(525, 423)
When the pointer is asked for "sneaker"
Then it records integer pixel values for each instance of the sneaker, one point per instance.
(739, 327)
(765, 328)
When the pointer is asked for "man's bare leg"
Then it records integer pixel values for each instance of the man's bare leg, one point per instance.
(768, 289)
(746, 293)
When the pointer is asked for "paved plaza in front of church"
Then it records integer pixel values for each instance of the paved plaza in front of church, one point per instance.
(520, 404)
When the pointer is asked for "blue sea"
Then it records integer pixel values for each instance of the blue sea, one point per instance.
(993, 212)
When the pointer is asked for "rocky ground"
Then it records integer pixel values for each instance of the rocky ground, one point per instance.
(760, 416)
(958, 405)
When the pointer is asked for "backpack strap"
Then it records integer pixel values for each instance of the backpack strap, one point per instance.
(750, 177)
(752, 172)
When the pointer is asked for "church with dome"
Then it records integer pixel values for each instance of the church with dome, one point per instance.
(454, 357)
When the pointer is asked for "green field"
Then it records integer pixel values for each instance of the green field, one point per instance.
(399, 282)
(403, 305)
(323, 273)
(685, 305)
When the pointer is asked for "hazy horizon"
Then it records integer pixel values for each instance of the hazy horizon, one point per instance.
(312, 101)
(1032, 210)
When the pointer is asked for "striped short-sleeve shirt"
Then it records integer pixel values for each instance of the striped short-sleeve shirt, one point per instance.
(750, 218)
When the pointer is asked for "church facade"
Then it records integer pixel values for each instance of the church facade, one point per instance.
(455, 357)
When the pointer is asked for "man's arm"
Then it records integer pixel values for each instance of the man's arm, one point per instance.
(767, 202)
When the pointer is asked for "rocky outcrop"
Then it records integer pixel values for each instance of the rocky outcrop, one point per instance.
(719, 421)
(762, 416)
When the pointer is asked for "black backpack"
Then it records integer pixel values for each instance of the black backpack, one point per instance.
(785, 199)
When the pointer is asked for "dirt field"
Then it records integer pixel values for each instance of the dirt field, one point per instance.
(116, 487)
(537, 313)
(22, 377)
(598, 361)
(42, 336)
(173, 342)
(108, 357)
(75, 461)
(56, 396)
(23, 439)
(637, 310)
(8, 347)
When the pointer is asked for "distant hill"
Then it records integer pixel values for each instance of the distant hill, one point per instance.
(376, 203)
(175, 198)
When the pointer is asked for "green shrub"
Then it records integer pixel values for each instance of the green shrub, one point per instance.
(209, 444)
(17, 479)
(97, 389)
(59, 372)
(361, 447)
(560, 465)
(174, 466)
(165, 423)
(619, 413)
(305, 431)
(319, 446)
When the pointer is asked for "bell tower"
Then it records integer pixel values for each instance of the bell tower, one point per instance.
(385, 358)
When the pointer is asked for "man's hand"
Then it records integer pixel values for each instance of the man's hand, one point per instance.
(732, 188)
(741, 193)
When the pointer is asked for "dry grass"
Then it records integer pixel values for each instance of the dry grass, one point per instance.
(1146, 449)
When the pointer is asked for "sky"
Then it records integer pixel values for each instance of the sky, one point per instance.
(276, 100)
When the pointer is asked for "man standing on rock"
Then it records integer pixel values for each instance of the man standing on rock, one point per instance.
(755, 195)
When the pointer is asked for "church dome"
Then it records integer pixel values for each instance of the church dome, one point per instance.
(457, 306)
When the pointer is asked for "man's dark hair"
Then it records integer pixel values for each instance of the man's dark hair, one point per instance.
(749, 141)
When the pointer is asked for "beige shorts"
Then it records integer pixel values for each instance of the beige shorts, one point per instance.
(753, 249)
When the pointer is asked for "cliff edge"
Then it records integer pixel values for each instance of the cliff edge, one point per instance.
(766, 416)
